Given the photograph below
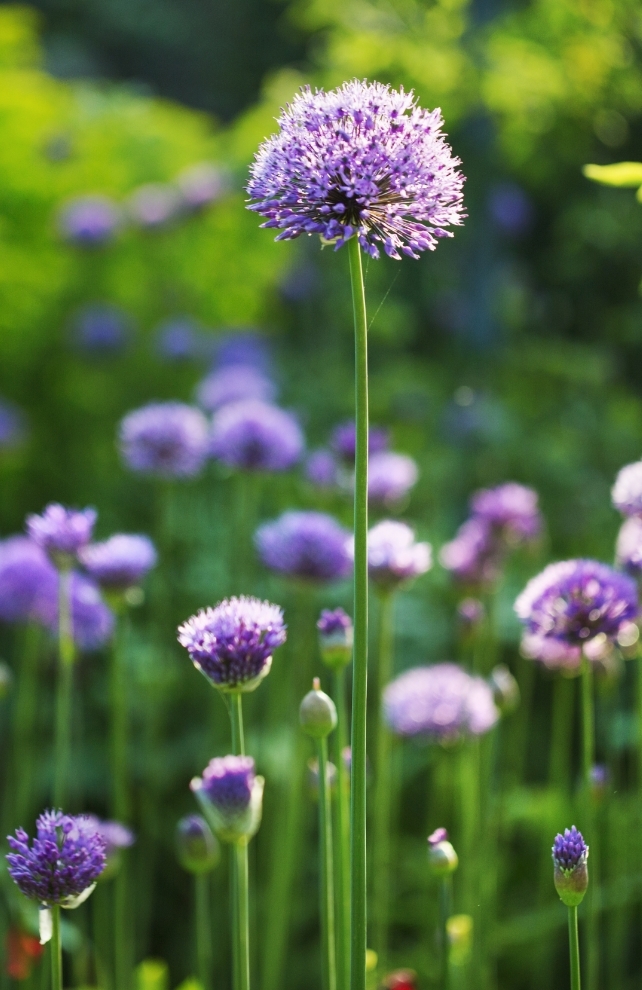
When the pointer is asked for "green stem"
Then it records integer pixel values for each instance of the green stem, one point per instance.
(588, 760)
(561, 732)
(342, 856)
(236, 719)
(243, 917)
(329, 967)
(203, 929)
(445, 911)
(574, 947)
(56, 950)
(588, 732)
(64, 690)
(383, 800)
(121, 804)
(358, 885)
(238, 747)
(24, 722)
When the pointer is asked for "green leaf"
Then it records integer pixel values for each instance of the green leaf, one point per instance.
(620, 174)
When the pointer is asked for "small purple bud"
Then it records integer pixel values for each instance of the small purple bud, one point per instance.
(570, 856)
(196, 845)
(336, 637)
(441, 854)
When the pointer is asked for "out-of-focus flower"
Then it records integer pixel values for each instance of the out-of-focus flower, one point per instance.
(390, 477)
(511, 509)
(470, 556)
(12, 426)
(570, 856)
(336, 637)
(401, 979)
(169, 439)
(201, 185)
(553, 653)
(63, 862)
(197, 846)
(344, 441)
(510, 208)
(99, 330)
(256, 436)
(116, 837)
(89, 221)
(232, 383)
(627, 490)
(230, 795)
(22, 950)
(628, 549)
(505, 689)
(154, 205)
(178, 339)
(300, 282)
(471, 611)
(309, 545)
(28, 582)
(442, 857)
(119, 562)
(232, 644)
(394, 556)
(245, 347)
(442, 702)
(92, 622)
(322, 469)
(62, 532)
(360, 160)
(600, 779)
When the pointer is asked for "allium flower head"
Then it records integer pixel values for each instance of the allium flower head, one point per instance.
(321, 469)
(360, 160)
(154, 205)
(574, 601)
(99, 330)
(394, 556)
(309, 545)
(178, 339)
(232, 644)
(233, 382)
(627, 490)
(442, 702)
(470, 556)
(442, 857)
(628, 548)
(201, 185)
(62, 532)
(246, 347)
(28, 582)
(256, 436)
(511, 508)
(230, 795)
(169, 439)
(344, 441)
(119, 562)
(390, 477)
(89, 221)
(336, 637)
(196, 845)
(63, 862)
(92, 622)
(570, 855)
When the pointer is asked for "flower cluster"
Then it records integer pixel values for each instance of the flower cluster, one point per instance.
(394, 556)
(344, 441)
(309, 545)
(234, 382)
(89, 221)
(230, 795)
(256, 436)
(119, 562)
(169, 439)
(28, 582)
(627, 490)
(62, 532)
(442, 702)
(628, 548)
(570, 856)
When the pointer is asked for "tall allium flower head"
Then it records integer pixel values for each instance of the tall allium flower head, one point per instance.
(89, 221)
(169, 439)
(232, 644)
(230, 795)
(570, 856)
(627, 490)
(62, 532)
(390, 477)
(99, 330)
(119, 562)
(442, 702)
(28, 582)
(576, 600)
(344, 441)
(322, 469)
(92, 622)
(511, 509)
(336, 637)
(63, 862)
(256, 436)
(394, 556)
(360, 160)
(309, 545)
(232, 383)
(628, 548)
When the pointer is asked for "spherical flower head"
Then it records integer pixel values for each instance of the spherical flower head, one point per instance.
(570, 856)
(168, 439)
(178, 339)
(256, 436)
(232, 644)
(628, 548)
(317, 712)
(442, 702)
(92, 622)
(390, 477)
(470, 556)
(627, 490)
(575, 601)
(511, 509)
(360, 160)
(196, 845)
(89, 221)
(394, 556)
(62, 532)
(336, 637)
(201, 185)
(442, 857)
(120, 562)
(321, 469)
(62, 864)
(245, 347)
(308, 545)
(231, 796)
(154, 205)
(100, 331)
(471, 611)
(28, 582)
(232, 383)
(344, 441)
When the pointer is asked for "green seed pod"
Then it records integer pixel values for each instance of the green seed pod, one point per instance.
(317, 713)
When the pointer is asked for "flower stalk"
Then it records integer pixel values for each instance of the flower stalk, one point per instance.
(56, 949)
(327, 877)
(574, 948)
(383, 786)
(66, 654)
(342, 853)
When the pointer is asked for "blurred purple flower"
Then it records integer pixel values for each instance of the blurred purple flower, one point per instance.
(114, 834)
(89, 221)
(244, 347)
(201, 185)
(92, 621)
(321, 469)
(309, 545)
(154, 205)
(256, 436)
(510, 208)
(12, 426)
(471, 556)
(28, 582)
(169, 439)
(344, 441)
(178, 339)
(119, 562)
(299, 283)
(511, 509)
(627, 490)
(628, 548)
(553, 653)
(442, 702)
(390, 477)
(234, 382)
(61, 532)
(394, 556)
(99, 330)
(471, 611)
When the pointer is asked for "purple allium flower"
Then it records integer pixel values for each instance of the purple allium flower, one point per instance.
(439, 835)
(120, 562)
(471, 556)
(441, 854)
(363, 159)
(232, 644)
(393, 555)
(628, 549)
(390, 477)
(116, 835)
(627, 490)
(62, 532)
(197, 848)
(256, 436)
(89, 221)
(169, 439)
(333, 621)
(574, 601)
(336, 637)
(92, 622)
(99, 330)
(511, 509)
(442, 702)
(553, 653)
(154, 205)
(178, 339)
(570, 855)
(245, 347)
(344, 441)
(322, 469)
(230, 795)
(233, 382)
(28, 582)
(471, 611)
(12, 427)
(309, 545)
(201, 185)
(510, 208)
(63, 862)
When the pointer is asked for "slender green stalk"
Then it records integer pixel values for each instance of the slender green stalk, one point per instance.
(445, 911)
(588, 760)
(358, 878)
(588, 731)
(56, 950)
(383, 799)
(121, 804)
(236, 719)
(574, 947)
(243, 908)
(342, 854)
(326, 868)
(561, 732)
(203, 929)
(64, 691)
(24, 723)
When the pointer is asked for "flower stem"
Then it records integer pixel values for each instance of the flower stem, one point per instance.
(329, 967)
(236, 718)
(64, 690)
(358, 879)
(243, 918)
(342, 855)
(121, 804)
(383, 787)
(588, 736)
(588, 760)
(445, 911)
(574, 947)
(56, 949)
(24, 722)
(203, 929)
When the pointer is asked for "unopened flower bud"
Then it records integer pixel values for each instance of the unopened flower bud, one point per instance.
(505, 689)
(317, 713)
(336, 637)
(570, 855)
(196, 845)
(441, 855)
(231, 797)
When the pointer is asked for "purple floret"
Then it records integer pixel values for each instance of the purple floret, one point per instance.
(89, 221)
(333, 621)
(227, 782)
(511, 508)
(256, 436)
(627, 490)
(442, 702)
(168, 439)
(344, 441)
(569, 850)
(393, 554)
(628, 549)
(232, 383)
(28, 582)
(390, 477)
(360, 160)
(309, 545)
(64, 860)
(121, 561)
(233, 643)
(61, 532)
